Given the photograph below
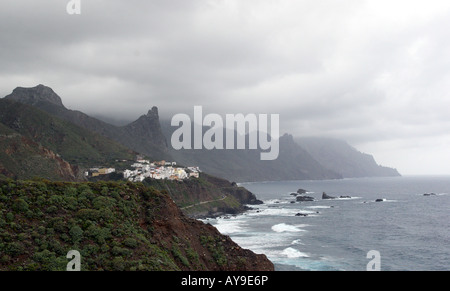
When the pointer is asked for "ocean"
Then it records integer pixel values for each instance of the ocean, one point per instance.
(410, 231)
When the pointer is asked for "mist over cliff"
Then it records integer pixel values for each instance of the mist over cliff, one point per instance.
(299, 158)
(337, 155)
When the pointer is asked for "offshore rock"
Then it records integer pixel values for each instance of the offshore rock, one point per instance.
(304, 198)
(325, 196)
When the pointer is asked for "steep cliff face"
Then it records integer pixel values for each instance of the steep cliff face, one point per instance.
(339, 156)
(145, 136)
(216, 251)
(293, 163)
(115, 226)
(65, 170)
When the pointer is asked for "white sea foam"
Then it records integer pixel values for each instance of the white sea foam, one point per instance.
(297, 242)
(261, 242)
(275, 212)
(293, 253)
(227, 226)
(283, 227)
(318, 207)
(390, 200)
(276, 201)
(302, 225)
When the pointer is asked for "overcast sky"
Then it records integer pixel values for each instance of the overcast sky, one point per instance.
(375, 73)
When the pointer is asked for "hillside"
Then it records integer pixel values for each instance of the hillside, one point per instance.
(115, 227)
(143, 135)
(293, 162)
(339, 156)
(24, 158)
(207, 196)
(69, 142)
(303, 159)
(35, 144)
(147, 135)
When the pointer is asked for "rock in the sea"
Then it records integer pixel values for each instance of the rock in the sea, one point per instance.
(305, 198)
(293, 194)
(379, 200)
(301, 191)
(345, 196)
(429, 194)
(301, 214)
(325, 196)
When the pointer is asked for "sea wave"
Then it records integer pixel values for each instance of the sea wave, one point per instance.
(318, 207)
(293, 253)
(297, 242)
(228, 226)
(278, 212)
(283, 227)
(275, 201)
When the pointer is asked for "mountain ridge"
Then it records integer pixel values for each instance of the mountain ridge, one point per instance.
(143, 135)
(338, 155)
(30, 132)
(148, 135)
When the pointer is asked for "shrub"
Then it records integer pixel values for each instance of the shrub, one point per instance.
(5, 259)
(118, 264)
(177, 254)
(14, 249)
(9, 217)
(90, 214)
(59, 225)
(76, 233)
(130, 242)
(104, 191)
(41, 200)
(118, 251)
(99, 234)
(51, 209)
(41, 230)
(103, 202)
(20, 205)
(70, 203)
(49, 261)
(43, 257)
(56, 200)
(70, 192)
(89, 250)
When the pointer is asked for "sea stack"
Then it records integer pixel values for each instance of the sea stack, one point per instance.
(325, 196)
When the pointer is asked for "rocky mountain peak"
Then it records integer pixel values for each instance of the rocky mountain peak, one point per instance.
(148, 129)
(35, 96)
(153, 112)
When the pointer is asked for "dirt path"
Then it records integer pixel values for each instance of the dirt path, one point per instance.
(204, 202)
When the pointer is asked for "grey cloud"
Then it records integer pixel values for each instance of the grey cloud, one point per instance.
(369, 71)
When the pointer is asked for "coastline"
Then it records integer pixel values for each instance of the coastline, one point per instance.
(338, 233)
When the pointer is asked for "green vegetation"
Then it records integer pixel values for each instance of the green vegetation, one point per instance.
(41, 221)
(216, 247)
(20, 157)
(115, 226)
(206, 195)
(74, 144)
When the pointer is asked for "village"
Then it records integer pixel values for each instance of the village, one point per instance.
(143, 169)
(159, 170)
